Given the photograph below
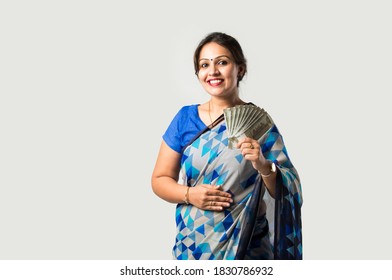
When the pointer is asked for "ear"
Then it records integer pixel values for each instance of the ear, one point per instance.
(241, 71)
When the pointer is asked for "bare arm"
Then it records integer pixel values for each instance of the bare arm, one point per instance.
(165, 175)
(164, 184)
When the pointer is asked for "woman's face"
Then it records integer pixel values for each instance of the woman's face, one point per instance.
(218, 73)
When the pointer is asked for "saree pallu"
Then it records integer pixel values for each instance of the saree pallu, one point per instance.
(240, 231)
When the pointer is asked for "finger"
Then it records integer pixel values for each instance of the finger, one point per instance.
(215, 190)
(252, 147)
(219, 198)
(216, 193)
(212, 187)
(240, 142)
(248, 154)
(249, 145)
(251, 157)
(216, 206)
(251, 152)
(217, 202)
(248, 150)
(244, 140)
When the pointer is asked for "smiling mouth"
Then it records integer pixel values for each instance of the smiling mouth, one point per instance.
(215, 82)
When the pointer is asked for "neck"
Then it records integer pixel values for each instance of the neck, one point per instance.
(218, 104)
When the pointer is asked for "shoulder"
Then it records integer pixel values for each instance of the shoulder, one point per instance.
(188, 109)
(178, 132)
(184, 114)
(187, 112)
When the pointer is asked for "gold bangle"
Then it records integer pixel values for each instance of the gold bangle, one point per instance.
(186, 198)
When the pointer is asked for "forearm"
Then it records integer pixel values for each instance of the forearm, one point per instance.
(269, 178)
(168, 189)
(270, 184)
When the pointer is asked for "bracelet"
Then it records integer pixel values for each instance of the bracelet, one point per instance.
(265, 176)
(186, 198)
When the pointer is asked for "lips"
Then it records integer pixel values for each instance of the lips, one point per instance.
(215, 82)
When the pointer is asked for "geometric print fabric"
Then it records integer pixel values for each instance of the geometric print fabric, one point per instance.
(205, 234)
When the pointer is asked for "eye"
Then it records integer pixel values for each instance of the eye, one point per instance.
(203, 65)
(222, 62)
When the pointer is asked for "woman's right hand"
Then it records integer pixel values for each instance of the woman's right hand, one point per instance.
(208, 197)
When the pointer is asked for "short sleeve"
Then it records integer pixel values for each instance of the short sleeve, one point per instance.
(172, 136)
(183, 128)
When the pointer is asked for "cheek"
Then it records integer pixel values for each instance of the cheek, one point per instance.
(201, 76)
(230, 72)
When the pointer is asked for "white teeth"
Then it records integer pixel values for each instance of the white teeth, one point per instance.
(215, 81)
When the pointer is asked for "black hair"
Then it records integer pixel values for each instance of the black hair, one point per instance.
(227, 42)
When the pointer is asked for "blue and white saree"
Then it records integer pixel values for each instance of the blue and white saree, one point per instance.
(255, 226)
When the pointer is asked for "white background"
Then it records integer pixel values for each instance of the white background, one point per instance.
(87, 88)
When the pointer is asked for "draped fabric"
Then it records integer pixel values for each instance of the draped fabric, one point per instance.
(244, 230)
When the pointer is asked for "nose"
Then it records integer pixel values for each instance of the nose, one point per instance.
(213, 70)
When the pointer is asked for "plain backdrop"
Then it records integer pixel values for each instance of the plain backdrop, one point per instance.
(87, 88)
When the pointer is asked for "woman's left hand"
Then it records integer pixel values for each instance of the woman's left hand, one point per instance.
(250, 150)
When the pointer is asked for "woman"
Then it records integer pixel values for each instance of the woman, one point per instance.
(241, 203)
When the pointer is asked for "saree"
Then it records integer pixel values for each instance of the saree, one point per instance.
(255, 226)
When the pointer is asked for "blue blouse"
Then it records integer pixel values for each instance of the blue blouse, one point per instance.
(185, 125)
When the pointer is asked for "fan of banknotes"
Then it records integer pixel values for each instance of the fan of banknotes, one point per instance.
(246, 120)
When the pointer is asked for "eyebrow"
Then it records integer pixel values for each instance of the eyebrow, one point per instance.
(214, 58)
